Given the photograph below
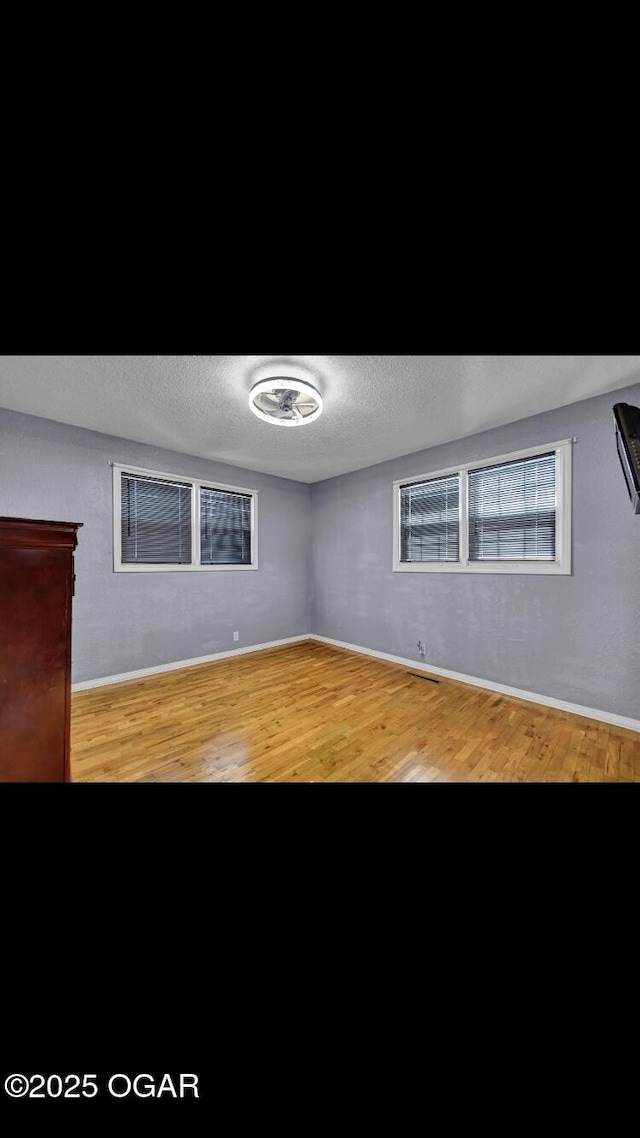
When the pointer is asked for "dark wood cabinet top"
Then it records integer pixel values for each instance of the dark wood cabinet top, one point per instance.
(38, 532)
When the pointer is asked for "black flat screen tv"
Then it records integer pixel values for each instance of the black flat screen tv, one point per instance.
(627, 422)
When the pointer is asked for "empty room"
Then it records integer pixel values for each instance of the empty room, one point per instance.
(320, 569)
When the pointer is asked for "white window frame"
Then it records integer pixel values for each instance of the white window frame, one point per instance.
(196, 483)
(562, 562)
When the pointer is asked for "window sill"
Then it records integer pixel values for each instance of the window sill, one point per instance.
(182, 568)
(526, 568)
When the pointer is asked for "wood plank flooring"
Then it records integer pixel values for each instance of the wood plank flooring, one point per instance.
(309, 712)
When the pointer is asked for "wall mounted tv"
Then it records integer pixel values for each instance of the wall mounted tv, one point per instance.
(627, 422)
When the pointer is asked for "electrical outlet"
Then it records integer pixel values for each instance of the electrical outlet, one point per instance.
(421, 647)
(236, 636)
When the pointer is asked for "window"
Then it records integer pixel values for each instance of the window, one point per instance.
(509, 514)
(225, 527)
(162, 522)
(155, 521)
(430, 520)
(512, 510)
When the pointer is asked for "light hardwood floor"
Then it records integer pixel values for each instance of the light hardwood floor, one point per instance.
(310, 712)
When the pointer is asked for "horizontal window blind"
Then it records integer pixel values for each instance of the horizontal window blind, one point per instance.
(512, 510)
(225, 528)
(430, 520)
(155, 521)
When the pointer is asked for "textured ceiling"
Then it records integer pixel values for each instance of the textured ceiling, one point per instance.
(375, 407)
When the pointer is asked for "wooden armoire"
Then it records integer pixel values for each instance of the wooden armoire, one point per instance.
(36, 587)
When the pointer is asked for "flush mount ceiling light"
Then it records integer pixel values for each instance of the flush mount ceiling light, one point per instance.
(285, 400)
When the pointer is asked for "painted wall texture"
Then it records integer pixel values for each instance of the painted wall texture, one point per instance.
(126, 621)
(325, 564)
(575, 638)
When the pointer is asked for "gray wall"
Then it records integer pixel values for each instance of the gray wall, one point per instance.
(576, 638)
(125, 621)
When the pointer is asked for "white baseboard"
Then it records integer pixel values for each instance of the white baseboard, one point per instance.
(103, 681)
(532, 697)
(489, 685)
